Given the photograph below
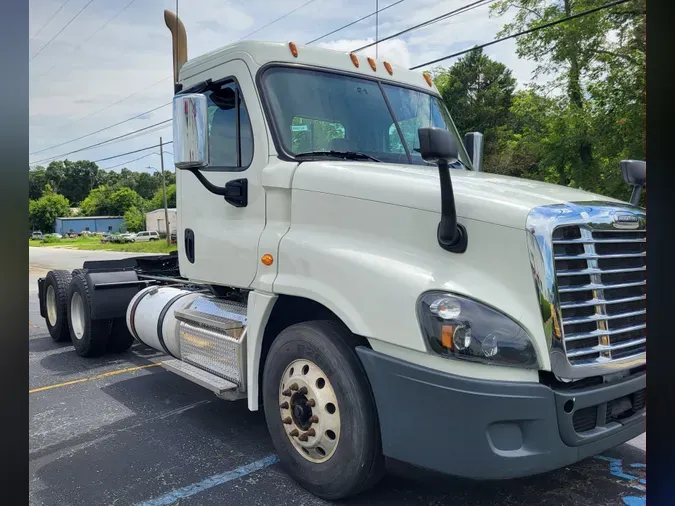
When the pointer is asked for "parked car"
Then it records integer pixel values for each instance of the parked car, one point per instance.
(147, 235)
(106, 238)
(37, 235)
(123, 238)
(56, 235)
(174, 238)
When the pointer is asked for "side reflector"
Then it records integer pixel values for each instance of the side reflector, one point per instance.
(293, 48)
(355, 59)
(372, 63)
(447, 332)
(427, 78)
(267, 259)
(389, 69)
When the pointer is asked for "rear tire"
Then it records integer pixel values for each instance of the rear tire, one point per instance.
(120, 339)
(341, 454)
(56, 285)
(89, 337)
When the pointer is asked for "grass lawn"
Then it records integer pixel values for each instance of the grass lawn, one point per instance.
(95, 244)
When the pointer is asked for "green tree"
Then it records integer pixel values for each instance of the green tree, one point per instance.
(599, 118)
(43, 212)
(134, 219)
(37, 179)
(107, 201)
(478, 91)
(157, 202)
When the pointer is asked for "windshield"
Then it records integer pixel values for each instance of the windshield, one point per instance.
(322, 111)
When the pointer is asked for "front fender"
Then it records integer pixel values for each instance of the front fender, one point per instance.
(369, 262)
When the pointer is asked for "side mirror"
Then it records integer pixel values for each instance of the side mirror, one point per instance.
(635, 174)
(473, 142)
(438, 146)
(190, 131)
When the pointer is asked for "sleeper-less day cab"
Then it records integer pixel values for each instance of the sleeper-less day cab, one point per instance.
(344, 264)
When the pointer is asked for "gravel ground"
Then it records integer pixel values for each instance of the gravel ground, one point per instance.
(120, 430)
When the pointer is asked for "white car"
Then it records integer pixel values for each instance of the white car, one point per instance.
(147, 236)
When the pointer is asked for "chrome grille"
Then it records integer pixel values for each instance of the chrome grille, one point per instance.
(600, 276)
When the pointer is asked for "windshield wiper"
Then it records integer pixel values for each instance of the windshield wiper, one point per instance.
(347, 155)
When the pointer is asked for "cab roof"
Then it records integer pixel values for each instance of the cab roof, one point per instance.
(263, 53)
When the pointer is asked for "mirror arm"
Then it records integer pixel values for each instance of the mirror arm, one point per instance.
(451, 235)
(635, 196)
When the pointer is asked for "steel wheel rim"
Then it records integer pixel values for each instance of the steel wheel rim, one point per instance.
(77, 315)
(52, 313)
(309, 411)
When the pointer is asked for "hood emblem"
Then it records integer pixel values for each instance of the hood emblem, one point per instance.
(625, 221)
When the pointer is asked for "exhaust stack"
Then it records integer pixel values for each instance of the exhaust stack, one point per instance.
(179, 41)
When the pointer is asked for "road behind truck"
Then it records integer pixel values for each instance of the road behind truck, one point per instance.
(119, 430)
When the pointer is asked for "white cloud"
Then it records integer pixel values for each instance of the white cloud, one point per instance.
(133, 52)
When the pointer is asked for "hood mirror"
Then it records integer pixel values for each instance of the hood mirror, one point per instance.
(635, 174)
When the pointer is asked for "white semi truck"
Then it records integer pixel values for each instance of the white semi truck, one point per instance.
(344, 264)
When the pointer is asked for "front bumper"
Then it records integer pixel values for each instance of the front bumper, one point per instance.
(494, 429)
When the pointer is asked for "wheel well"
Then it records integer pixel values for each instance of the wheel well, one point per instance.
(289, 310)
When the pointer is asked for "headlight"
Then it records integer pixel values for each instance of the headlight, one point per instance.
(465, 329)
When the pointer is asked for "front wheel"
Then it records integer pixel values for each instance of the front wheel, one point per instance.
(320, 411)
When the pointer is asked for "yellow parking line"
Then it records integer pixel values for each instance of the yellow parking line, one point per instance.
(82, 380)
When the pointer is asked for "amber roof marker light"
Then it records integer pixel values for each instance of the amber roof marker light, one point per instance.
(388, 68)
(355, 59)
(427, 78)
(372, 64)
(293, 48)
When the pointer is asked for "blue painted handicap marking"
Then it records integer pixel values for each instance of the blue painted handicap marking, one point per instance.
(616, 469)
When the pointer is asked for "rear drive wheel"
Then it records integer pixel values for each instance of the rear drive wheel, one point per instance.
(90, 337)
(56, 304)
(320, 410)
(120, 339)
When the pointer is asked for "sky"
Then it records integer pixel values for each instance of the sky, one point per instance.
(113, 61)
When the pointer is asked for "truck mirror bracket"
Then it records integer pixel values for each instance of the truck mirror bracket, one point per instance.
(235, 191)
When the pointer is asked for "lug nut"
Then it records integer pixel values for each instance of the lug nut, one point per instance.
(311, 432)
(294, 386)
(294, 433)
(284, 405)
(303, 437)
(311, 402)
(303, 390)
(314, 419)
(288, 420)
(286, 393)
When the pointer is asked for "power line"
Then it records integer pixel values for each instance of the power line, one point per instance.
(50, 19)
(102, 142)
(92, 35)
(278, 19)
(134, 160)
(524, 32)
(153, 85)
(130, 152)
(354, 22)
(460, 10)
(98, 131)
(59, 32)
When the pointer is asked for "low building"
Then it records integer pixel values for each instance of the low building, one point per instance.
(154, 220)
(79, 224)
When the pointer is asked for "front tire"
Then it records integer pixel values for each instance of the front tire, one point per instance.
(320, 411)
(90, 337)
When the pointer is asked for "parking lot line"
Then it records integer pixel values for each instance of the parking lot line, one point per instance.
(99, 376)
(211, 482)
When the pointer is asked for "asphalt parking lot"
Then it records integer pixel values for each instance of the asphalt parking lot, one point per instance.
(120, 430)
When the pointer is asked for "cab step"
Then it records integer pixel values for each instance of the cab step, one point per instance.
(221, 387)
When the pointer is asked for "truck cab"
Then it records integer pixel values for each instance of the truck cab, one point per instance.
(376, 292)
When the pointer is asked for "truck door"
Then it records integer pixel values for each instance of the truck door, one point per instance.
(219, 238)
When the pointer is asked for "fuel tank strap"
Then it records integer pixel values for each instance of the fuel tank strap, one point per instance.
(160, 321)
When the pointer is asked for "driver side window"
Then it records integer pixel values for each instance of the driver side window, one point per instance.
(230, 133)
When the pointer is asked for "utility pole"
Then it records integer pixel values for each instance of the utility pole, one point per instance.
(377, 25)
(166, 210)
